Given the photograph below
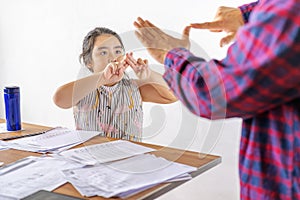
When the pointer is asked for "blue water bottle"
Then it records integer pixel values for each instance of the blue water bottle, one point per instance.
(12, 108)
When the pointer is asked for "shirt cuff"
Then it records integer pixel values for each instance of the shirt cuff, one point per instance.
(246, 10)
(172, 54)
(169, 63)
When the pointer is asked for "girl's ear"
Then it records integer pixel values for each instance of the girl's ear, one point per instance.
(90, 66)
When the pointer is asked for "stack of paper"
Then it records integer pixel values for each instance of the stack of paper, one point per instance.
(57, 139)
(126, 176)
(120, 168)
(105, 152)
(3, 145)
(31, 174)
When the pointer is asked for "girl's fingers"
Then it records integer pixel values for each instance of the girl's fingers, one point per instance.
(126, 65)
(130, 57)
(114, 68)
(140, 61)
(121, 70)
(133, 65)
(136, 65)
(132, 62)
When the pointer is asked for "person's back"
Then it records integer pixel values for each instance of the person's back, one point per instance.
(258, 81)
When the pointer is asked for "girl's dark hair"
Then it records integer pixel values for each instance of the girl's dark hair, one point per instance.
(89, 40)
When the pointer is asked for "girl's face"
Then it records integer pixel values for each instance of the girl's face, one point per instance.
(106, 49)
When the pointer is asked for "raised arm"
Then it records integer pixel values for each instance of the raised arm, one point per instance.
(260, 72)
(152, 86)
(228, 20)
(68, 95)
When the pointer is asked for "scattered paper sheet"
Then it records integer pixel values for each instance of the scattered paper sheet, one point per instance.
(57, 139)
(130, 174)
(3, 128)
(105, 152)
(117, 168)
(129, 193)
(31, 174)
(3, 145)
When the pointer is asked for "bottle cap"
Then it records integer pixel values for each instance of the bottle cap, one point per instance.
(11, 89)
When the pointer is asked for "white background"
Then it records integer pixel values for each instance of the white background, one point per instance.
(40, 41)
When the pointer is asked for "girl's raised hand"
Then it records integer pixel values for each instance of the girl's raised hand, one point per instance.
(139, 66)
(114, 72)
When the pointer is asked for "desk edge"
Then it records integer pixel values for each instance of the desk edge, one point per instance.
(166, 188)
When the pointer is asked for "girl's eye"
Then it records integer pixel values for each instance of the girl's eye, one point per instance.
(119, 52)
(103, 53)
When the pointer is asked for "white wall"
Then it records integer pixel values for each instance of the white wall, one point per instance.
(40, 41)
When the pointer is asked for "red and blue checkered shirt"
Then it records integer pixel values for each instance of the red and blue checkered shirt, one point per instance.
(259, 81)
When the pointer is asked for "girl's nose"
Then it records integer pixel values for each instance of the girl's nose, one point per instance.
(111, 58)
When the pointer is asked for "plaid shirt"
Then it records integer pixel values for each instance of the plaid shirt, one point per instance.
(258, 80)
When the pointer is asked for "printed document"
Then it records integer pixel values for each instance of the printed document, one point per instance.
(32, 174)
(105, 152)
(111, 179)
(57, 139)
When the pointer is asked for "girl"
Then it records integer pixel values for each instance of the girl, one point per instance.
(108, 100)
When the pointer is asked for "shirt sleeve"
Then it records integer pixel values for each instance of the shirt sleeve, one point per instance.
(261, 69)
(246, 10)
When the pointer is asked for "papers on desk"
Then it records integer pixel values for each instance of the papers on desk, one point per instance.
(124, 176)
(57, 139)
(118, 168)
(3, 128)
(105, 152)
(31, 174)
(3, 145)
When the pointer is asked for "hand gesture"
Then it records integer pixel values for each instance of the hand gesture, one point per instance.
(157, 42)
(139, 66)
(113, 72)
(227, 20)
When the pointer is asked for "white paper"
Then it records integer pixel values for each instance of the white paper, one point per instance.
(129, 193)
(57, 139)
(119, 177)
(3, 128)
(105, 152)
(3, 145)
(31, 174)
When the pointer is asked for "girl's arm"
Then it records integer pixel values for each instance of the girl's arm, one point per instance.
(155, 89)
(71, 93)
(152, 86)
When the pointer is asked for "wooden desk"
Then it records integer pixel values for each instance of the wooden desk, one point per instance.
(201, 161)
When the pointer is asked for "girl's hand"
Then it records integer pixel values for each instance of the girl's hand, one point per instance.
(113, 72)
(139, 66)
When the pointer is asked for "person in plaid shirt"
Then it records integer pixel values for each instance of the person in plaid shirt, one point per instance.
(258, 80)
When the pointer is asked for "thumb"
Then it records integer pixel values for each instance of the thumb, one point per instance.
(186, 33)
(227, 39)
(121, 71)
